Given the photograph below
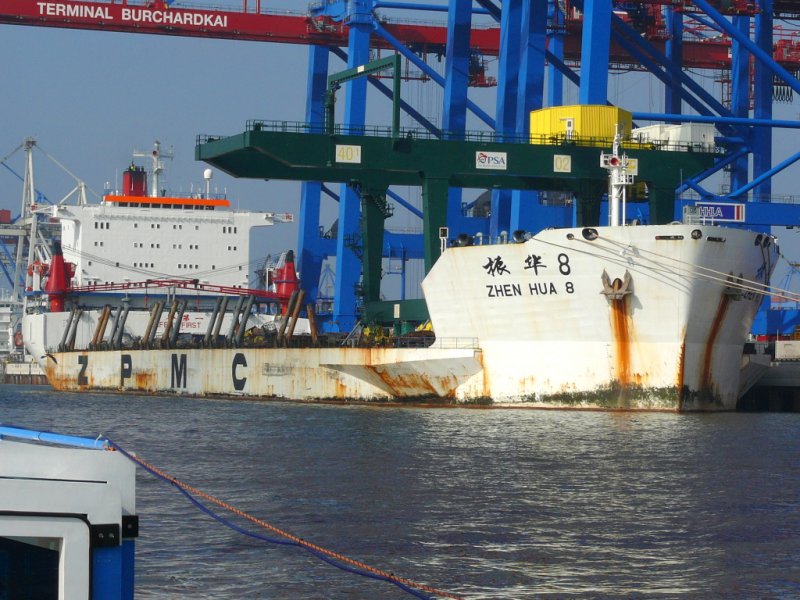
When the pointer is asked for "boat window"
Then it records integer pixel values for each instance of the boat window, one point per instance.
(31, 567)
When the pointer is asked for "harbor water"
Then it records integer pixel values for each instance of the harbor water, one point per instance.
(481, 503)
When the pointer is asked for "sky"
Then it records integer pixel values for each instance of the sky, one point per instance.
(90, 98)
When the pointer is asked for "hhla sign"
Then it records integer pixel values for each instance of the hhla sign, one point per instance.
(720, 211)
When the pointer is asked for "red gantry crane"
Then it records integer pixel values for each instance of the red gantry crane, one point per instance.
(253, 22)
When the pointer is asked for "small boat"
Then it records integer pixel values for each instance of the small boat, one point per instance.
(68, 521)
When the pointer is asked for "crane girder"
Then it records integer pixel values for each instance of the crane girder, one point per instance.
(143, 16)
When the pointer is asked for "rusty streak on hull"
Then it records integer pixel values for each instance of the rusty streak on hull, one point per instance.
(679, 382)
(622, 340)
(708, 355)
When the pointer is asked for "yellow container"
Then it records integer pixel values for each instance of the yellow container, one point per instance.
(585, 124)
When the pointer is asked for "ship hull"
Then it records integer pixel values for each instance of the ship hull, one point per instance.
(638, 318)
(373, 375)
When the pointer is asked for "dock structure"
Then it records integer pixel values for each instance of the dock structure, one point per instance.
(301, 152)
(778, 388)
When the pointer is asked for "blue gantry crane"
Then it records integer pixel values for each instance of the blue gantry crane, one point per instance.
(539, 52)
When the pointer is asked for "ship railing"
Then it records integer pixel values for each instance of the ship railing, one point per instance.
(412, 133)
(362, 336)
(408, 341)
(455, 343)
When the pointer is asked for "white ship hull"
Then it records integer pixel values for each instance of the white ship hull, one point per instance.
(637, 318)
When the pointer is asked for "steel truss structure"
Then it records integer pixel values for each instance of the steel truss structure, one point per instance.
(541, 46)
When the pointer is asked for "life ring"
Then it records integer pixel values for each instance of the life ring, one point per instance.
(18, 339)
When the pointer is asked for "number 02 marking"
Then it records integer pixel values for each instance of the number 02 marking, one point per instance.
(562, 163)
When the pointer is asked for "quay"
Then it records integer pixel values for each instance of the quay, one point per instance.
(777, 388)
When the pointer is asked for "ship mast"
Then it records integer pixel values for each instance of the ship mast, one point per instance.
(155, 155)
(29, 222)
(618, 179)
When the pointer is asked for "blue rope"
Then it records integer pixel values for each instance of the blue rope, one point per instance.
(281, 542)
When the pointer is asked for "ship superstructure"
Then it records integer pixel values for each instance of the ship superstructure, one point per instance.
(165, 266)
(133, 236)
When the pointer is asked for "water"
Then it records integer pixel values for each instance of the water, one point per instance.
(481, 503)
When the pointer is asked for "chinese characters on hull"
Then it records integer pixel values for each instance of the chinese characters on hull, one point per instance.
(496, 267)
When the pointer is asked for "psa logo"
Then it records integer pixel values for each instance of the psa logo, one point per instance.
(491, 160)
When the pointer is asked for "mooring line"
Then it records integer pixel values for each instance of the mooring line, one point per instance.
(329, 556)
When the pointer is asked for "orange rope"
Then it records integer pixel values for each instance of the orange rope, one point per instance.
(291, 537)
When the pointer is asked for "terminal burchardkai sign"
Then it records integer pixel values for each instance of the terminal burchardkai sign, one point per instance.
(160, 14)
(163, 17)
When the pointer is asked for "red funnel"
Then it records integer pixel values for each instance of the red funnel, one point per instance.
(284, 277)
(58, 279)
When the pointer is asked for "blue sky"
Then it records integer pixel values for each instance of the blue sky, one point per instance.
(91, 98)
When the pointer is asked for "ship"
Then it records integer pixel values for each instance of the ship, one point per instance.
(192, 253)
(634, 317)
(68, 520)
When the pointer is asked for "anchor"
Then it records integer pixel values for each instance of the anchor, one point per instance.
(617, 289)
